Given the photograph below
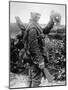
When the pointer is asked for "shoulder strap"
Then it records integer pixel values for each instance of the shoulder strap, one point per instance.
(26, 34)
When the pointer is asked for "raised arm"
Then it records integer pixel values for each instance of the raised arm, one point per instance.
(55, 18)
(19, 23)
(48, 27)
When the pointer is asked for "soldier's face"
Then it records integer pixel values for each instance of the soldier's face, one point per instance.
(37, 18)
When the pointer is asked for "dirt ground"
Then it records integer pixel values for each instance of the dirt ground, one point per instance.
(17, 81)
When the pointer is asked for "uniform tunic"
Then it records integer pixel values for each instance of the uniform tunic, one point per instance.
(34, 31)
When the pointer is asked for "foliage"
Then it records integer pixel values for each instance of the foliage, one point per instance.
(56, 58)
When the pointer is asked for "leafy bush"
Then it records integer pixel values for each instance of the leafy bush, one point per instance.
(56, 58)
(54, 50)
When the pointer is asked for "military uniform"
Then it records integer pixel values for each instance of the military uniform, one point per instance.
(35, 43)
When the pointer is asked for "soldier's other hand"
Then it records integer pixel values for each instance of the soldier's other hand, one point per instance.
(55, 17)
(52, 16)
(19, 22)
(17, 18)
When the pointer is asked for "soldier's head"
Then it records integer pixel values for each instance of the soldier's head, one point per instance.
(35, 16)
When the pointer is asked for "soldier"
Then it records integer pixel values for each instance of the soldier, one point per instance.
(13, 55)
(16, 45)
(34, 38)
(20, 35)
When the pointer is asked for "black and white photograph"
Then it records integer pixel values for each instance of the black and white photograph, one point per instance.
(37, 44)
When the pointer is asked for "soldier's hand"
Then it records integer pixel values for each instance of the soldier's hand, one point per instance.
(52, 16)
(18, 20)
(55, 17)
(17, 17)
